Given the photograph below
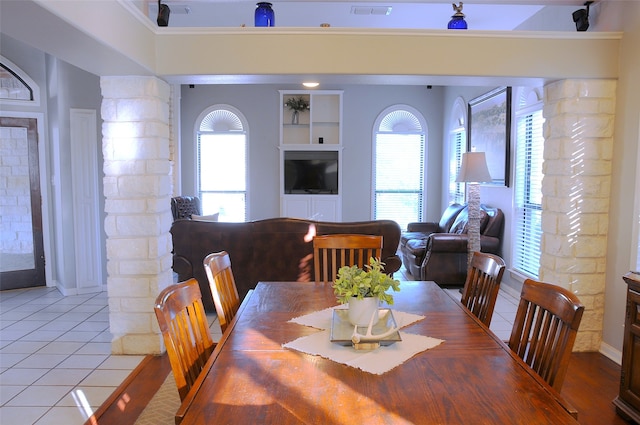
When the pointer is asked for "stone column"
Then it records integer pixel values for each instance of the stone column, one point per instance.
(578, 150)
(137, 188)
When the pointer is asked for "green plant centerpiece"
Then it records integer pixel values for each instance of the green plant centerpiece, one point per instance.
(296, 104)
(364, 289)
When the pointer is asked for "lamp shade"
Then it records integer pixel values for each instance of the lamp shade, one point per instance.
(474, 168)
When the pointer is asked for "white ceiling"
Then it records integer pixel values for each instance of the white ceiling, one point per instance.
(499, 15)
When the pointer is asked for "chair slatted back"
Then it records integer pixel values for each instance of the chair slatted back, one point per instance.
(185, 331)
(482, 285)
(545, 329)
(330, 252)
(223, 286)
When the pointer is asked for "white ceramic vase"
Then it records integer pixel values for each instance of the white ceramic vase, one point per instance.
(360, 311)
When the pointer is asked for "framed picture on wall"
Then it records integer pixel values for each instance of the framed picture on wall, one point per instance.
(489, 131)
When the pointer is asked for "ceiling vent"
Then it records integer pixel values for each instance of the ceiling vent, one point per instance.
(371, 10)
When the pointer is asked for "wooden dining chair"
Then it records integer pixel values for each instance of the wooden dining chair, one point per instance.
(223, 286)
(185, 331)
(545, 329)
(330, 252)
(482, 285)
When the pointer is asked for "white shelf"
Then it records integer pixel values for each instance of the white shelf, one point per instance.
(323, 121)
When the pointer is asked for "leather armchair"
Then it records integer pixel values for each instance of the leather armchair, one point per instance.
(185, 206)
(413, 241)
(440, 253)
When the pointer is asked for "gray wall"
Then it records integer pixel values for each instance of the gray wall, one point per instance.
(62, 86)
(361, 106)
(496, 196)
(70, 87)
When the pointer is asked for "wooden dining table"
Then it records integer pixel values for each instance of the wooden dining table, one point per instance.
(470, 378)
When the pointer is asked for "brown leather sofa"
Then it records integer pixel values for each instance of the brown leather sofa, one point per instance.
(438, 251)
(265, 250)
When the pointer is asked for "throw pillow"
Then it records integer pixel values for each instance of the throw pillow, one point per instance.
(462, 225)
(213, 217)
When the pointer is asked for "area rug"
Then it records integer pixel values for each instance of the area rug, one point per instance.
(162, 408)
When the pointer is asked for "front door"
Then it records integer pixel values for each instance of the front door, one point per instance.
(21, 244)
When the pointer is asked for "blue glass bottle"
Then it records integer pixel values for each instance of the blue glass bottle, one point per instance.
(264, 16)
(457, 21)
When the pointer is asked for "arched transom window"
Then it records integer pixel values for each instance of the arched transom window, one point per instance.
(222, 163)
(399, 161)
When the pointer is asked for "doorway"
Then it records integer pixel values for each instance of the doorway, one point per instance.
(21, 242)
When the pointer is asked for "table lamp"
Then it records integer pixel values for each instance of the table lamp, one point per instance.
(473, 170)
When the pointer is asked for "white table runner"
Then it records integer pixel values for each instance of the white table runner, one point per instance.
(377, 361)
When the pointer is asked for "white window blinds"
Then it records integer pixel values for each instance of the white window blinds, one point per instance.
(528, 193)
(399, 171)
(222, 166)
(457, 148)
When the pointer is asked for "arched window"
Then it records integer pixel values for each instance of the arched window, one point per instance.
(399, 158)
(222, 163)
(457, 146)
(15, 86)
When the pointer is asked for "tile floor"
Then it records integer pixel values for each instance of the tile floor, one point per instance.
(504, 311)
(55, 361)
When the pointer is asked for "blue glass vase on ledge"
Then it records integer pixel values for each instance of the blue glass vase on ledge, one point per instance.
(264, 15)
(457, 21)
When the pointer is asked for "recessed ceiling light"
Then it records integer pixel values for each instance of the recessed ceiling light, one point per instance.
(311, 84)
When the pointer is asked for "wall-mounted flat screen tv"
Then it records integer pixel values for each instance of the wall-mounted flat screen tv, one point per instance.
(311, 172)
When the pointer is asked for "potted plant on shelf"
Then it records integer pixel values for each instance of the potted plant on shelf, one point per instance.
(363, 290)
(296, 104)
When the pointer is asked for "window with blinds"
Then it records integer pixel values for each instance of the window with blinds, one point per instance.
(528, 193)
(399, 168)
(222, 169)
(457, 148)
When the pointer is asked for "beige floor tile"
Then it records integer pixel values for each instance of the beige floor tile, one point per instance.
(7, 392)
(92, 326)
(63, 415)
(96, 348)
(94, 396)
(61, 347)
(59, 325)
(15, 376)
(21, 415)
(83, 361)
(23, 347)
(11, 359)
(63, 377)
(41, 335)
(42, 361)
(121, 362)
(105, 377)
(40, 395)
(78, 336)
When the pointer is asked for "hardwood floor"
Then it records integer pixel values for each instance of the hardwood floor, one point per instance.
(591, 384)
(129, 400)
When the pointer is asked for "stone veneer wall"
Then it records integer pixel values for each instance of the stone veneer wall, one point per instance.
(137, 188)
(578, 150)
(16, 236)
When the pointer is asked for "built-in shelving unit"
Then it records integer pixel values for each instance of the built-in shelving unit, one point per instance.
(311, 156)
